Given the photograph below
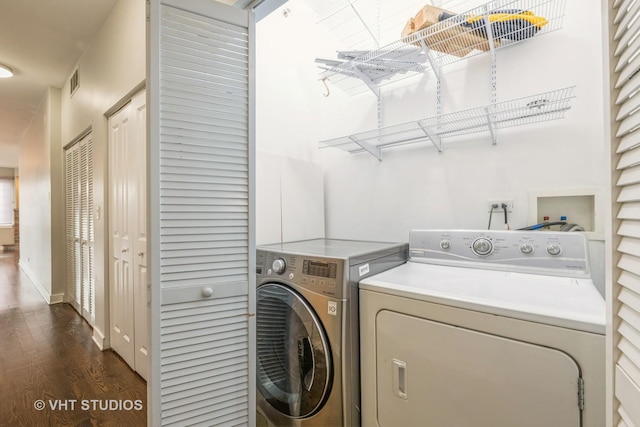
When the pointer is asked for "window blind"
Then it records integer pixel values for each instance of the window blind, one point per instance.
(7, 192)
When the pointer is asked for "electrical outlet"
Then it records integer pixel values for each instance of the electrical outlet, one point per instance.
(509, 203)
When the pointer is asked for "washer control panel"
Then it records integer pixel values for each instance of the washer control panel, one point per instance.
(543, 252)
(321, 275)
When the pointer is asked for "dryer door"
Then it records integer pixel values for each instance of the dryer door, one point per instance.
(294, 360)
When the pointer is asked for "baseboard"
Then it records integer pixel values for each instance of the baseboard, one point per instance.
(39, 286)
(99, 338)
(57, 298)
(48, 297)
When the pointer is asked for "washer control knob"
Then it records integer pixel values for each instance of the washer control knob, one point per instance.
(279, 265)
(482, 246)
(445, 244)
(526, 248)
(554, 249)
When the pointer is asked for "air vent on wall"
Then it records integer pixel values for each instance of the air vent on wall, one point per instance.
(74, 82)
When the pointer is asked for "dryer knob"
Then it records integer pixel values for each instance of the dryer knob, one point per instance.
(482, 246)
(526, 248)
(279, 265)
(554, 249)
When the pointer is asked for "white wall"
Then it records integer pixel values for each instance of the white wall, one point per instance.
(415, 186)
(36, 201)
(289, 199)
(112, 67)
(289, 176)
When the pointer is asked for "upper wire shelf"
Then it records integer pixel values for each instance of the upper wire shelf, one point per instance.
(486, 28)
(521, 111)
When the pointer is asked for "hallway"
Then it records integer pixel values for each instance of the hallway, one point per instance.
(47, 354)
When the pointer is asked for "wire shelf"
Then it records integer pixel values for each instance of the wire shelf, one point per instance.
(517, 112)
(486, 28)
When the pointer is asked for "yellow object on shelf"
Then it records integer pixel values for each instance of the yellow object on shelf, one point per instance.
(513, 24)
(525, 15)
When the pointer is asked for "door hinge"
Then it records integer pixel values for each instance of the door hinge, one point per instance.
(581, 393)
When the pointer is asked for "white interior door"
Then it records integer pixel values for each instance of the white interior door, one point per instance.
(453, 376)
(141, 276)
(121, 201)
(128, 229)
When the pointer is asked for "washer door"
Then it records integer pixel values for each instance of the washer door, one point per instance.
(294, 360)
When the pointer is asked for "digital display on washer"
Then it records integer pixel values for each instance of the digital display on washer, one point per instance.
(320, 269)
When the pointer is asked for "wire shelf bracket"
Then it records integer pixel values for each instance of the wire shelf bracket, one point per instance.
(433, 137)
(435, 66)
(491, 126)
(371, 149)
(370, 84)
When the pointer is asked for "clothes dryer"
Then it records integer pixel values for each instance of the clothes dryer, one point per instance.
(484, 329)
(307, 328)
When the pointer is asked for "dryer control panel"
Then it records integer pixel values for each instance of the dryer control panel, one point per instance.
(541, 252)
(322, 275)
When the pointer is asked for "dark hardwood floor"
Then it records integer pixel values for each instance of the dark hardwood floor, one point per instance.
(47, 357)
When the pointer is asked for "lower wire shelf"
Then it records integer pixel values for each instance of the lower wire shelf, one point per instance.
(517, 112)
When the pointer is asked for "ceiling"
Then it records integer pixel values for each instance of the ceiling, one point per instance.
(42, 41)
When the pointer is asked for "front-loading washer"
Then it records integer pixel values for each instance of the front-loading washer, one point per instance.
(307, 328)
(484, 329)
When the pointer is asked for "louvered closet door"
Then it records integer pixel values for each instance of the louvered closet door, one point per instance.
(626, 288)
(203, 250)
(77, 231)
(86, 225)
(90, 299)
(71, 171)
(79, 226)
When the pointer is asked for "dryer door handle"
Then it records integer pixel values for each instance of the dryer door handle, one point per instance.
(399, 379)
(306, 362)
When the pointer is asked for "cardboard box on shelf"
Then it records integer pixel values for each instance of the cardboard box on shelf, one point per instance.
(427, 17)
(449, 37)
(430, 15)
(409, 27)
(450, 32)
(442, 41)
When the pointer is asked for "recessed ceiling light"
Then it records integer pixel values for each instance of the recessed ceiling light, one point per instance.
(5, 71)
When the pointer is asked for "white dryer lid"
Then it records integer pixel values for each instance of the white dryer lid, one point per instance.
(559, 301)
